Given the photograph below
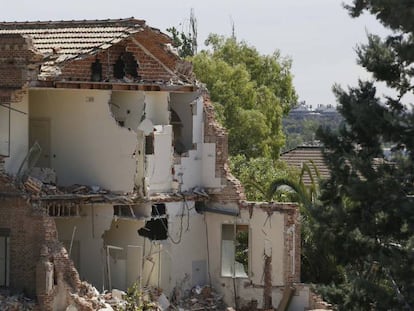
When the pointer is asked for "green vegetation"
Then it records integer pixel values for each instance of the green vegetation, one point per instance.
(300, 128)
(366, 219)
(251, 93)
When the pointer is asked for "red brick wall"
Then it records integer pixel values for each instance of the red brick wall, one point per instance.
(150, 69)
(16, 53)
(233, 191)
(30, 230)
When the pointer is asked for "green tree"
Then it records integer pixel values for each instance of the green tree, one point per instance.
(367, 215)
(186, 42)
(251, 92)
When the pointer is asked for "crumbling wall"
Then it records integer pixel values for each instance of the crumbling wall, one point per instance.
(274, 252)
(33, 240)
(18, 61)
(231, 190)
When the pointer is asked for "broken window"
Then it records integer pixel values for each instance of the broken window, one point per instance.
(126, 66)
(4, 257)
(234, 250)
(96, 69)
(157, 227)
(63, 209)
(123, 211)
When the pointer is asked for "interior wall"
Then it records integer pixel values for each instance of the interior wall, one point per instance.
(128, 107)
(156, 107)
(188, 255)
(89, 228)
(182, 104)
(19, 134)
(87, 145)
(159, 165)
(198, 167)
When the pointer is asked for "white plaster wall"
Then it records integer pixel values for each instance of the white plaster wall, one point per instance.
(159, 165)
(19, 135)
(263, 234)
(188, 173)
(87, 145)
(126, 266)
(197, 169)
(156, 107)
(189, 245)
(95, 220)
(128, 106)
(209, 166)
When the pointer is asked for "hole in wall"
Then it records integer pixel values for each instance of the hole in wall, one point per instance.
(96, 69)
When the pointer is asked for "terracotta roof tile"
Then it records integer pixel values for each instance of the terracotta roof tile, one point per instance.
(72, 38)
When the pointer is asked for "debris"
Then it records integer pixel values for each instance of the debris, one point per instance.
(200, 298)
(44, 174)
(163, 302)
(33, 184)
(15, 302)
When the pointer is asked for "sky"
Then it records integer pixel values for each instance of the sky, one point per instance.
(318, 35)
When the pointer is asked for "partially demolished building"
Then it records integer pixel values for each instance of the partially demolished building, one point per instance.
(113, 171)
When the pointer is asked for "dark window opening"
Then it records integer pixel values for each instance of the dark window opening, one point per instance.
(177, 132)
(155, 229)
(119, 68)
(149, 144)
(126, 66)
(96, 69)
(158, 209)
(131, 65)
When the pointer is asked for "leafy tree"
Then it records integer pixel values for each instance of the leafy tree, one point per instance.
(185, 42)
(257, 175)
(252, 92)
(367, 215)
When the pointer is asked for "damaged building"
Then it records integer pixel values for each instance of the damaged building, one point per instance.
(114, 172)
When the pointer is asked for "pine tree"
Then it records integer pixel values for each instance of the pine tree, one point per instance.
(367, 212)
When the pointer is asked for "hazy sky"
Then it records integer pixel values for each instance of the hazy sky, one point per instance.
(318, 35)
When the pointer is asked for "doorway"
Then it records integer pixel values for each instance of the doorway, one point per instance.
(39, 130)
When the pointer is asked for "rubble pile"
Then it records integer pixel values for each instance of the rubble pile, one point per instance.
(199, 298)
(16, 303)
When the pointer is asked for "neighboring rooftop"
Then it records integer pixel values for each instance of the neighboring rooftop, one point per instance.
(300, 155)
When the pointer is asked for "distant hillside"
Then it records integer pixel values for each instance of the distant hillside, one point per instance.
(302, 122)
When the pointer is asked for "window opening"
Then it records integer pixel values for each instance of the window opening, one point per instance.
(4, 257)
(157, 227)
(96, 69)
(149, 144)
(177, 132)
(119, 68)
(131, 65)
(123, 211)
(126, 66)
(234, 250)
